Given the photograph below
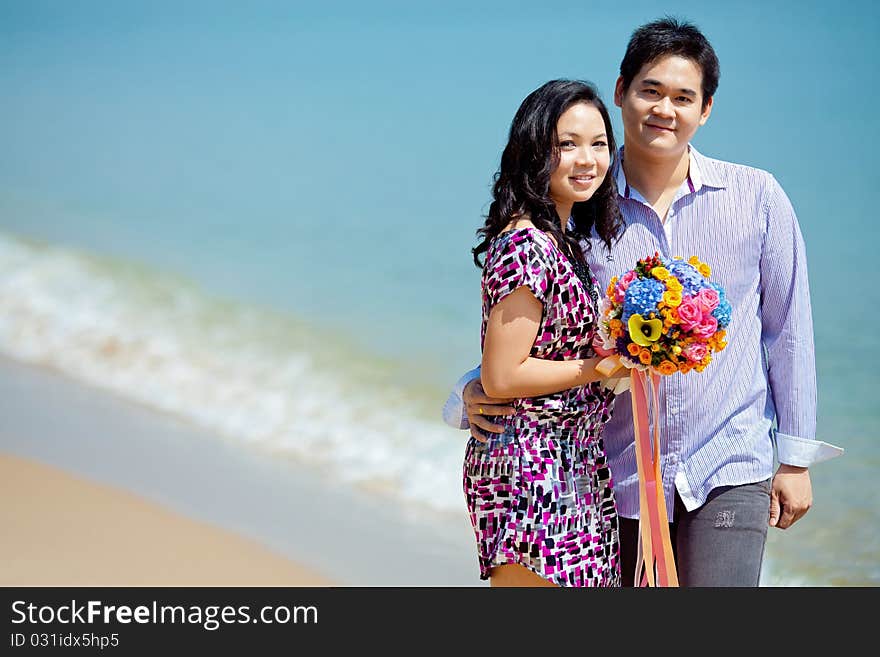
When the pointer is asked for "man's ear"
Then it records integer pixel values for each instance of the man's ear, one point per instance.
(618, 91)
(707, 110)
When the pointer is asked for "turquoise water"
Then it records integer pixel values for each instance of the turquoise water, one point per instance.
(193, 196)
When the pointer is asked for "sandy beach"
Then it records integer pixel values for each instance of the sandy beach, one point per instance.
(97, 490)
(62, 530)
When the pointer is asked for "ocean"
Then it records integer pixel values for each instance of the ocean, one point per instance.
(259, 220)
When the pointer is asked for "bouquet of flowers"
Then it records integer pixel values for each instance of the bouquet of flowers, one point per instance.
(664, 316)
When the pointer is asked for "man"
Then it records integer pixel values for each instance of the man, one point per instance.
(716, 427)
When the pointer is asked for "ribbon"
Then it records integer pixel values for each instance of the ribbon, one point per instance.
(655, 564)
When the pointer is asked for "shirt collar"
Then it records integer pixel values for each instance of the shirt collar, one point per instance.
(701, 172)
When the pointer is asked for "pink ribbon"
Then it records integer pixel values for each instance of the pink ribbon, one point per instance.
(655, 565)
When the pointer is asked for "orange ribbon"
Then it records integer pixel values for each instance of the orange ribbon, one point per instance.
(655, 565)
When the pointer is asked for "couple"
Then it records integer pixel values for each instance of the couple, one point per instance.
(548, 467)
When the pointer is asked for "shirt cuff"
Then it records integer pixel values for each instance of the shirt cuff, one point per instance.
(453, 409)
(802, 452)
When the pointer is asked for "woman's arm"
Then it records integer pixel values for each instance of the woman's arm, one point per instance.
(507, 369)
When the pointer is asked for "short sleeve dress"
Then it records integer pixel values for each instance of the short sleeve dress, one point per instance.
(540, 494)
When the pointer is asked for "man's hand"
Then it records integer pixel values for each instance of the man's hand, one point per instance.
(791, 496)
(477, 406)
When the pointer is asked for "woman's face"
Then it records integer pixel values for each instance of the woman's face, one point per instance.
(584, 157)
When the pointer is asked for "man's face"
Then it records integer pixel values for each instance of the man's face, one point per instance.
(663, 106)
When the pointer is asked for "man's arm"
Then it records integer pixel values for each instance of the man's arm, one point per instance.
(468, 407)
(453, 409)
(787, 334)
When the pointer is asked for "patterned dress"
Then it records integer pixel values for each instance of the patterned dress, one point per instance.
(540, 494)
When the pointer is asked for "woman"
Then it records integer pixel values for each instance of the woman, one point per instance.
(539, 495)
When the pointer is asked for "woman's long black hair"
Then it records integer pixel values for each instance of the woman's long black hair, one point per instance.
(522, 183)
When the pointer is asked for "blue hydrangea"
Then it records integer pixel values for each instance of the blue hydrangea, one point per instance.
(722, 312)
(642, 297)
(691, 280)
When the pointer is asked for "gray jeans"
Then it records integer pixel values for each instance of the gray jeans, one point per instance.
(719, 544)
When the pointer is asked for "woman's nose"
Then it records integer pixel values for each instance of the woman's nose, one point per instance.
(586, 155)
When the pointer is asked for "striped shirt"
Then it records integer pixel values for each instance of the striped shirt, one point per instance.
(717, 427)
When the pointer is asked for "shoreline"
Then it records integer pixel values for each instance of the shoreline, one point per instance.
(63, 530)
(335, 532)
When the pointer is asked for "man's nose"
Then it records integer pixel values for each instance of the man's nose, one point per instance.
(664, 107)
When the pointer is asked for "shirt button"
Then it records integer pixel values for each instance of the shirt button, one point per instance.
(673, 410)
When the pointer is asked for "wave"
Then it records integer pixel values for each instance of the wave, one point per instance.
(252, 375)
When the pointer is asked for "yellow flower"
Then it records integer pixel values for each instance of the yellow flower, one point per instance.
(676, 350)
(645, 357)
(644, 331)
(673, 284)
(610, 289)
(660, 273)
(672, 298)
(704, 269)
(694, 260)
(667, 368)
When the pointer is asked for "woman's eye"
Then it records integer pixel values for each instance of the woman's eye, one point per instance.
(566, 144)
(600, 144)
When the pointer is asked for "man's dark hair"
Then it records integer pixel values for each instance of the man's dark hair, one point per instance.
(669, 36)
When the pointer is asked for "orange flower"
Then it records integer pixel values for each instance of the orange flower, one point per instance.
(685, 367)
(671, 298)
(609, 291)
(617, 324)
(645, 356)
(666, 368)
(633, 349)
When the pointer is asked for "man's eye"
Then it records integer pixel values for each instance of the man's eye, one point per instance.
(685, 99)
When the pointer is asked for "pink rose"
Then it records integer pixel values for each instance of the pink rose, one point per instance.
(695, 352)
(706, 328)
(622, 284)
(707, 299)
(689, 313)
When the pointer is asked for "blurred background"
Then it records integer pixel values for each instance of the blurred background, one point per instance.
(256, 218)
